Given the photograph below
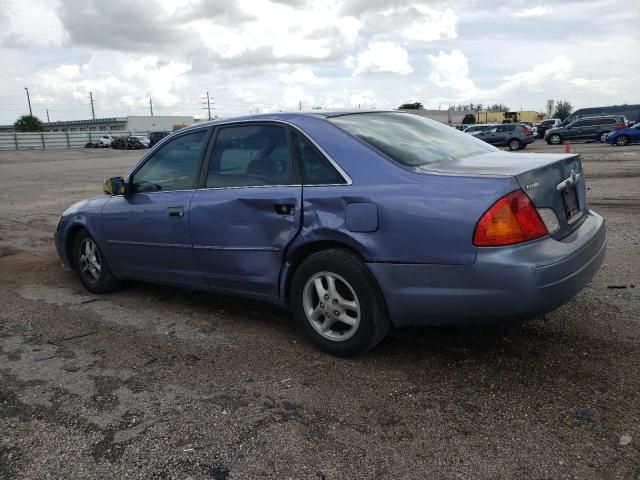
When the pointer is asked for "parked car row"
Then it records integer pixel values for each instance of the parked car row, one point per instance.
(123, 143)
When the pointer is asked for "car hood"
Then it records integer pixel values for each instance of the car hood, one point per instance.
(496, 163)
(89, 205)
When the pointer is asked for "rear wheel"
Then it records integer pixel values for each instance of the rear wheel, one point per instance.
(91, 266)
(338, 304)
(603, 137)
(523, 146)
(515, 144)
(622, 140)
(554, 139)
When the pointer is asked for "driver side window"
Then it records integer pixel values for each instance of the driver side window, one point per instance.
(173, 167)
(251, 155)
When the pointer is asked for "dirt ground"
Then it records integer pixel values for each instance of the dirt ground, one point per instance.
(156, 382)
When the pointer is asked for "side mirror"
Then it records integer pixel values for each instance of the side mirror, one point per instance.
(114, 186)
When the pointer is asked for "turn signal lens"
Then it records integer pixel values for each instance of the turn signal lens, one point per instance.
(512, 219)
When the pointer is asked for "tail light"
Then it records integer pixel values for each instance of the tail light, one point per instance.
(524, 130)
(512, 219)
(618, 127)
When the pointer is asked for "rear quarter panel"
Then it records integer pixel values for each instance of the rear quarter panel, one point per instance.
(422, 217)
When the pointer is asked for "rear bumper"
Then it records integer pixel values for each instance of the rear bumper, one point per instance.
(505, 284)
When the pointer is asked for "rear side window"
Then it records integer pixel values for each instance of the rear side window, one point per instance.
(506, 128)
(316, 169)
(251, 155)
(409, 139)
(173, 167)
(580, 123)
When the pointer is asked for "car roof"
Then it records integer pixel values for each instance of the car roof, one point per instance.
(292, 117)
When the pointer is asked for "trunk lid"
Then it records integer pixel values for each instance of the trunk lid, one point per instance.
(547, 179)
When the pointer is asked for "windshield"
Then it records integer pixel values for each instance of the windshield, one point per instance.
(409, 139)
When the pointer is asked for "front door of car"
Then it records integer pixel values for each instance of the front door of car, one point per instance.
(147, 229)
(574, 130)
(502, 134)
(248, 208)
(488, 135)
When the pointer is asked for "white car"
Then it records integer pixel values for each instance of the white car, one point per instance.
(105, 141)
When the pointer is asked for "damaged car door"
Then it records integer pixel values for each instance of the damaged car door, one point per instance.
(248, 207)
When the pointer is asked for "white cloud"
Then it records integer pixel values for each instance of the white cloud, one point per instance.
(383, 57)
(431, 25)
(538, 11)
(540, 76)
(302, 75)
(451, 71)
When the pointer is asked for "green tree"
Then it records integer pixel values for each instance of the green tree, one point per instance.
(469, 118)
(28, 123)
(563, 109)
(411, 106)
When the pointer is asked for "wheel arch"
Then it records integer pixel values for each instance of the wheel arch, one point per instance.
(299, 253)
(70, 238)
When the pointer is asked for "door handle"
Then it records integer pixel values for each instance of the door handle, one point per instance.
(175, 211)
(285, 209)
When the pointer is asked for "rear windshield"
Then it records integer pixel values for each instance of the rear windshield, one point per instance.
(409, 139)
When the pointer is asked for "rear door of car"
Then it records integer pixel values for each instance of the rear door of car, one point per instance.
(147, 229)
(247, 208)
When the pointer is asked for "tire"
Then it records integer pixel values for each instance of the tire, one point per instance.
(356, 298)
(514, 144)
(622, 140)
(524, 145)
(91, 266)
(603, 137)
(554, 139)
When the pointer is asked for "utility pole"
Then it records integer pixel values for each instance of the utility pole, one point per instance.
(151, 106)
(208, 106)
(28, 101)
(300, 105)
(93, 112)
(48, 116)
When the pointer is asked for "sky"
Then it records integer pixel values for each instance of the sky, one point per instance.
(271, 55)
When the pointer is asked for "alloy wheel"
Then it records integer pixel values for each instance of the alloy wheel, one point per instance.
(603, 137)
(90, 261)
(622, 141)
(331, 306)
(554, 139)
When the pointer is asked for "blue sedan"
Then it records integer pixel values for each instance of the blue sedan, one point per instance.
(624, 136)
(356, 222)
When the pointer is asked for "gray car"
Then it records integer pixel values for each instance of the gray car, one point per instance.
(516, 136)
(475, 129)
(585, 129)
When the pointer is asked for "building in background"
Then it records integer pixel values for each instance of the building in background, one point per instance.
(509, 117)
(450, 117)
(131, 123)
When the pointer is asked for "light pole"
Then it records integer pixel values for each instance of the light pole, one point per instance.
(28, 101)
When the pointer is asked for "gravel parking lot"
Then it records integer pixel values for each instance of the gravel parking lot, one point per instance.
(155, 382)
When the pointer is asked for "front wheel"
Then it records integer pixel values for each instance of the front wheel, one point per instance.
(515, 144)
(554, 139)
(622, 140)
(338, 304)
(91, 266)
